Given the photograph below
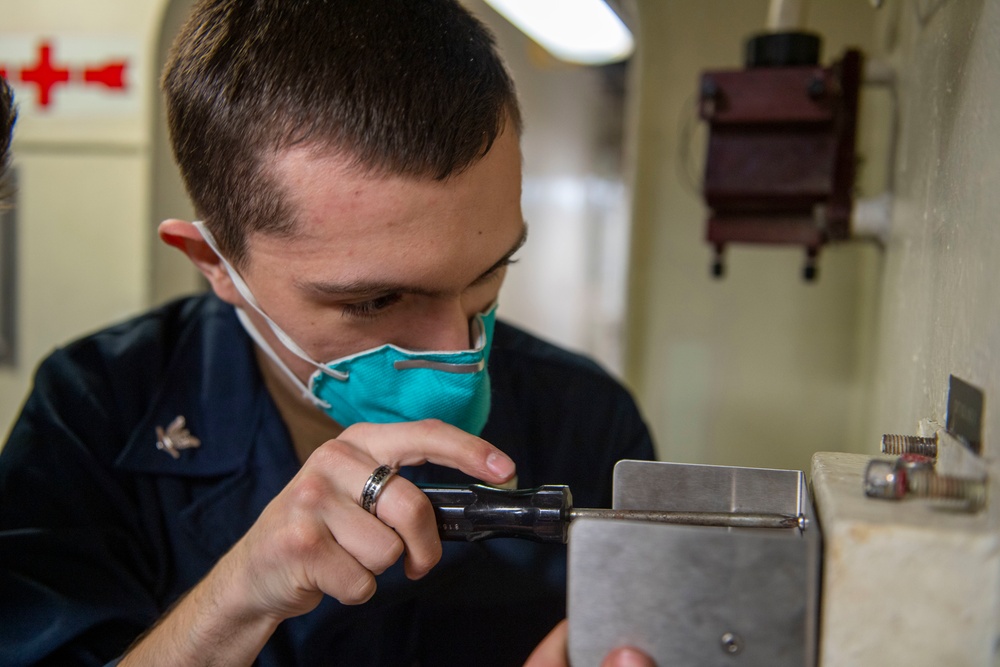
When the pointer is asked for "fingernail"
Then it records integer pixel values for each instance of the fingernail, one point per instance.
(500, 465)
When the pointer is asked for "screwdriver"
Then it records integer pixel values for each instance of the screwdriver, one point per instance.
(543, 514)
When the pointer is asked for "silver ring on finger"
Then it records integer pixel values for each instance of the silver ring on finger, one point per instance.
(373, 487)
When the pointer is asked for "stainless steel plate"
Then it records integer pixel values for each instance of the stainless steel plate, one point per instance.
(697, 595)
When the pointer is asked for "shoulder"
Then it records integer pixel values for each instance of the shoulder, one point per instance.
(516, 345)
(135, 352)
(117, 372)
(98, 394)
(517, 352)
(150, 338)
(561, 416)
(555, 385)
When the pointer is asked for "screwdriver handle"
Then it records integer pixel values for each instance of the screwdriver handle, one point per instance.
(479, 512)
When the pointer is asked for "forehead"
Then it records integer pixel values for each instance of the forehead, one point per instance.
(352, 225)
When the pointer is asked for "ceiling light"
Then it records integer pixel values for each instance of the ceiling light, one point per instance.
(579, 31)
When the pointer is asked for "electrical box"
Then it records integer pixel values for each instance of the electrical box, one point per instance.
(780, 159)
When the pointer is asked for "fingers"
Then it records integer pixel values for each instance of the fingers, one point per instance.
(402, 511)
(627, 657)
(401, 505)
(407, 510)
(415, 443)
(552, 651)
(334, 571)
(344, 465)
(375, 545)
(316, 493)
(315, 537)
(288, 560)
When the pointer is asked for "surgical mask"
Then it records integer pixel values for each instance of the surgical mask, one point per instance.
(387, 383)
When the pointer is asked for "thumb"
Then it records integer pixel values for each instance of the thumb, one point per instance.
(627, 657)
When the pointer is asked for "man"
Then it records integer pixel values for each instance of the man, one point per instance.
(187, 487)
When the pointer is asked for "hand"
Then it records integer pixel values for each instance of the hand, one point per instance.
(314, 539)
(552, 652)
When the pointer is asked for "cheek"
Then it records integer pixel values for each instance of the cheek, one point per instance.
(322, 331)
(332, 337)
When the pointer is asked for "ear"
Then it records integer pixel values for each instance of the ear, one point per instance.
(185, 237)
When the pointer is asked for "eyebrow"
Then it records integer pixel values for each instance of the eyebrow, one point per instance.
(506, 258)
(374, 287)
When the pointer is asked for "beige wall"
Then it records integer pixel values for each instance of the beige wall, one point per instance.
(758, 369)
(83, 232)
(939, 293)
(171, 273)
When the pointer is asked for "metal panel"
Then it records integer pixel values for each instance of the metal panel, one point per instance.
(704, 488)
(696, 595)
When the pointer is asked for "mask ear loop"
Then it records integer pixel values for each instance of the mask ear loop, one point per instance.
(248, 296)
(249, 327)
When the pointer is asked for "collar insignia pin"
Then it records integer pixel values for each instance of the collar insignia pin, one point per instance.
(175, 438)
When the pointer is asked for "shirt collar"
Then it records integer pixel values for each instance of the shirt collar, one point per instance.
(212, 381)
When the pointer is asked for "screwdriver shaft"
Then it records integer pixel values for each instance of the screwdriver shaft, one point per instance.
(724, 519)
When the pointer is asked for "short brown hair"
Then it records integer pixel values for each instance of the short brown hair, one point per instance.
(407, 87)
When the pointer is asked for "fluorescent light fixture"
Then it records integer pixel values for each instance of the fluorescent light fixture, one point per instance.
(579, 31)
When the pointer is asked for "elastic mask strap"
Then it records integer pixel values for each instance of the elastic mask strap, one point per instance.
(247, 295)
(249, 327)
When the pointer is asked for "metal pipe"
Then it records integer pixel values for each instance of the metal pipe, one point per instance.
(786, 15)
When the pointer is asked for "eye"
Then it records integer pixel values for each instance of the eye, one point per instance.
(370, 308)
(494, 272)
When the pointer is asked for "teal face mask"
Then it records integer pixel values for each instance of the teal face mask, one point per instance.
(387, 383)
(390, 384)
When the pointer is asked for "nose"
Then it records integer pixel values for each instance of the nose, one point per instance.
(445, 327)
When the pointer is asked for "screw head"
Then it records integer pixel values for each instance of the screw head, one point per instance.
(731, 643)
(883, 479)
(709, 88)
(816, 87)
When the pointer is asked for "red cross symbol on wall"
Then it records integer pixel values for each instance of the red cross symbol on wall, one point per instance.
(46, 74)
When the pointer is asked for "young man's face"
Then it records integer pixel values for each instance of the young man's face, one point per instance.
(385, 259)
